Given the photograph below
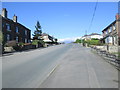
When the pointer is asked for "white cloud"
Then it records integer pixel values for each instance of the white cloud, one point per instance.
(68, 40)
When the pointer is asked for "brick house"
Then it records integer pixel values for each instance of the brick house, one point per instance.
(111, 34)
(12, 30)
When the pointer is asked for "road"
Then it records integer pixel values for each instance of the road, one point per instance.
(61, 66)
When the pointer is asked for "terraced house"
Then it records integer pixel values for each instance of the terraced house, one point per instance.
(111, 34)
(12, 30)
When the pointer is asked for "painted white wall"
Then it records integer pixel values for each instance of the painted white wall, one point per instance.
(96, 36)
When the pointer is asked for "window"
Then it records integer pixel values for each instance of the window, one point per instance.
(17, 38)
(25, 40)
(29, 41)
(114, 26)
(45, 37)
(17, 30)
(25, 32)
(107, 39)
(105, 32)
(108, 31)
(3, 25)
(8, 27)
(111, 29)
(8, 37)
(110, 39)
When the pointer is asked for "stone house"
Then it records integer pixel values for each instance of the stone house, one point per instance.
(111, 34)
(13, 30)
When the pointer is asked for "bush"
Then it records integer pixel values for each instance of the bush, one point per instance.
(38, 42)
(78, 41)
(20, 44)
(35, 42)
(17, 48)
(93, 42)
(42, 42)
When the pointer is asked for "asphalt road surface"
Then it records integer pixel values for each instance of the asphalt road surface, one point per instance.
(61, 66)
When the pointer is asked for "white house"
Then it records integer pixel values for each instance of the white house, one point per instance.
(96, 36)
(47, 38)
(92, 36)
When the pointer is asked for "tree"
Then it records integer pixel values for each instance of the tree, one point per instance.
(56, 40)
(38, 32)
(78, 41)
(37, 36)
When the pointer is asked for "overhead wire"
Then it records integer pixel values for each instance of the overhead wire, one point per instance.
(93, 16)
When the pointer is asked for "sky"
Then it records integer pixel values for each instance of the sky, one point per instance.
(63, 20)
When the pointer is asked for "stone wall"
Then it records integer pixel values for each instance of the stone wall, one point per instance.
(8, 49)
(102, 48)
(111, 49)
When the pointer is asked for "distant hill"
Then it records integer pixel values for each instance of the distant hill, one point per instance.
(68, 40)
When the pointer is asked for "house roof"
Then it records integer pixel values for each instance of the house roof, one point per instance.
(10, 20)
(94, 34)
(91, 34)
(109, 25)
(45, 34)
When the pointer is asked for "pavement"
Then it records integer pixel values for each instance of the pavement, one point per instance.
(82, 69)
(61, 66)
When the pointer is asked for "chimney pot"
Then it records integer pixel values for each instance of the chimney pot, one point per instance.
(4, 12)
(15, 18)
(117, 16)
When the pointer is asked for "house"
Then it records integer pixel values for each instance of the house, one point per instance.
(85, 37)
(49, 39)
(111, 34)
(92, 36)
(13, 30)
(95, 36)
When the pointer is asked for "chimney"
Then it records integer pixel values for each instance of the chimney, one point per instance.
(117, 16)
(15, 18)
(4, 12)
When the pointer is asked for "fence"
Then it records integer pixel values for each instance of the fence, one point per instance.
(111, 58)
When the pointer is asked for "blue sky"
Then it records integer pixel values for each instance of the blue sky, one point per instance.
(63, 19)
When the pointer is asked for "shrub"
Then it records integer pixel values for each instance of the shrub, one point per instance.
(42, 42)
(78, 41)
(20, 44)
(17, 48)
(35, 42)
(93, 42)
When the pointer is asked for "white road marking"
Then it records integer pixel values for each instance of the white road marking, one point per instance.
(93, 81)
